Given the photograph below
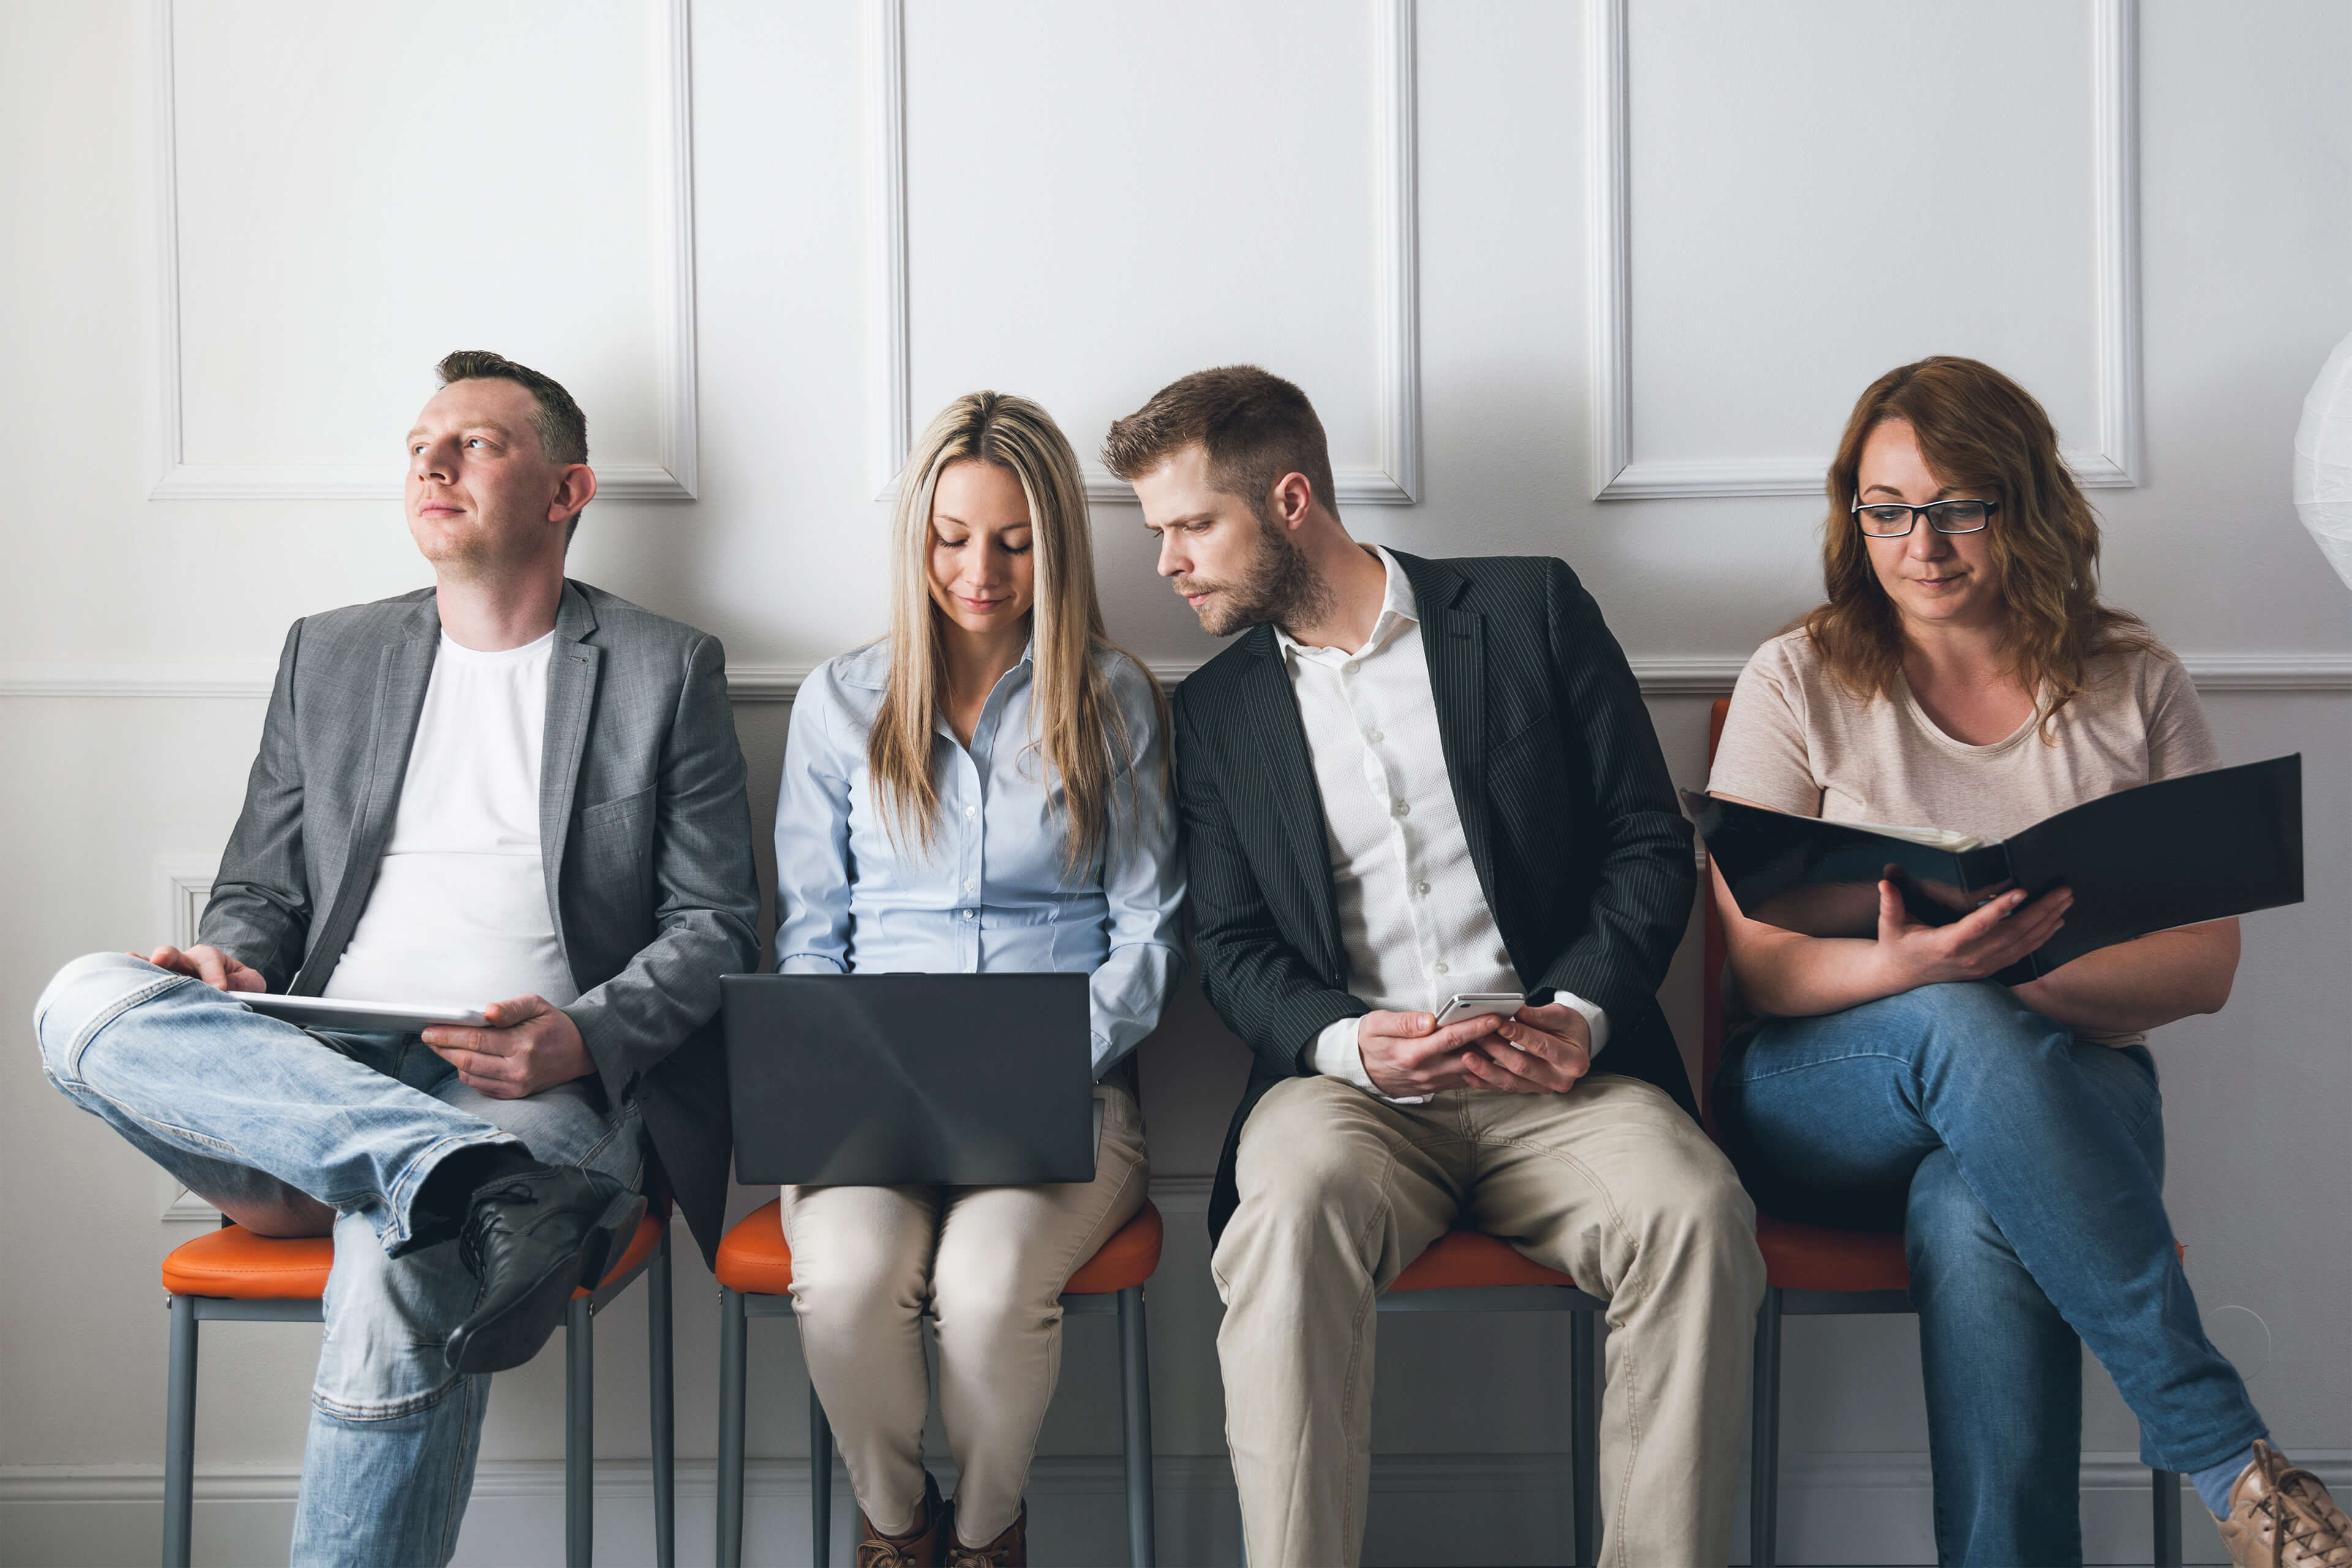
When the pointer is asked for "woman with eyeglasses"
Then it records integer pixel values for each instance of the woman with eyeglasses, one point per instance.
(1963, 674)
(984, 791)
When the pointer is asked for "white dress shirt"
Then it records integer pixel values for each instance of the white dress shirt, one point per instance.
(1412, 917)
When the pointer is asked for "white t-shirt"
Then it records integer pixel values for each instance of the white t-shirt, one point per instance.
(460, 911)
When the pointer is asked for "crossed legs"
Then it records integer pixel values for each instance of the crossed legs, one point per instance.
(288, 1130)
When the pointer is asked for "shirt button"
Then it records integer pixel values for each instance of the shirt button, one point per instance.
(1375, 736)
(1349, 668)
(971, 811)
(968, 884)
(1421, 887)
(1399, 808)
(969, 914)
(1440, 966)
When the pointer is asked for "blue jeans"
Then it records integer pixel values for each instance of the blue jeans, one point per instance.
(2025, 1171)
(248, 1112)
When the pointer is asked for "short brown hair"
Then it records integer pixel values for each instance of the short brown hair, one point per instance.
(1981, 431)
(562, 428)
(1255, 426)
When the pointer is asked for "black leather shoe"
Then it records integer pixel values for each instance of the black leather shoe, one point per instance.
(530, 1238)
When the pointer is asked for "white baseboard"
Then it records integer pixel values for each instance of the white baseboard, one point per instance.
(1426, 1508)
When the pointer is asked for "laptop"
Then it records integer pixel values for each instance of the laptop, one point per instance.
(875, 1080)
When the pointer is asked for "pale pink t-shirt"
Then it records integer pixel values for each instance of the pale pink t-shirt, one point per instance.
(1797, 741)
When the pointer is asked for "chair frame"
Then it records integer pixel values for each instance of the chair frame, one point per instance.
(579, 1405)
(737, 1306)
(1586, 1374)
(1783, 1302)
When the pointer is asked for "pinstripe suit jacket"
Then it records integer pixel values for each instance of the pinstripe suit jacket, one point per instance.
(1571, 822)
(645, 839)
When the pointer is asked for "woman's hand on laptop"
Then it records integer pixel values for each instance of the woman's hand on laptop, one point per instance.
(209, 965)
(531, 1044)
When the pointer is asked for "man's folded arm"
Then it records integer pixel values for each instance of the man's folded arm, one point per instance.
(708, 897)
(1643, 873)
(259, 912)
(1265, 992)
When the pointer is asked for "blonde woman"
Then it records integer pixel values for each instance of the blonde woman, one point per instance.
(985, 790)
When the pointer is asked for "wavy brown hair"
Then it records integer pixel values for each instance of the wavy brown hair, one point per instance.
(1980, 431)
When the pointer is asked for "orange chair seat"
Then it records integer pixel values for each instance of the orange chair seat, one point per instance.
(754, 1260)
(234, 1263)
(1466, 1258)
(1812, 1257)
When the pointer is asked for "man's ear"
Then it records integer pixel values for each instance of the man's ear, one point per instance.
(1292, 498)
(574, 489)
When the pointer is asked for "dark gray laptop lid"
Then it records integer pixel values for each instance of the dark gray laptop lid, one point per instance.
(873, 1080)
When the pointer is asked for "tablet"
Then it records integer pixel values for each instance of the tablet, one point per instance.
(332, 1012)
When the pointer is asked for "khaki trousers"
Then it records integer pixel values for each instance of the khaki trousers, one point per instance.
(1610, 1182)
(990, 1263)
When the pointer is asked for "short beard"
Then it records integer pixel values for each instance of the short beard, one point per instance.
(1279, 586)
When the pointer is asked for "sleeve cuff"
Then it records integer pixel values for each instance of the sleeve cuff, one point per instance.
(1594, 1013)
(1338, 1053)
(817, 964)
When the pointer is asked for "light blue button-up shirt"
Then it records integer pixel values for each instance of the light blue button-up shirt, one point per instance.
(995, 894)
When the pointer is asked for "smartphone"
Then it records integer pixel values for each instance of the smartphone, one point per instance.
(1481, 1003)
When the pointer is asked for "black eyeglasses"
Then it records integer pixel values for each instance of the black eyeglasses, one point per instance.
(1894, 518)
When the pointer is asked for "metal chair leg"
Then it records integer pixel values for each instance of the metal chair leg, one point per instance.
(820, 1481)
(1135, 1405)
(1584, 1423)
(2166, 1486)
(665, 1403)
(1764, 1443)
(731, 1427)
(579, 1436)
(180, 1437)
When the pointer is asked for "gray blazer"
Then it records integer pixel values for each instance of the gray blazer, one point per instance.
(644, 832)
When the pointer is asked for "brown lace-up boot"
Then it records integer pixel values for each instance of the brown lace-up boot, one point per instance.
(920, 1547)
(1010, 1549)
(2281, 1517)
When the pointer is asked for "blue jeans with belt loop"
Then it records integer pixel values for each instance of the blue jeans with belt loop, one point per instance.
(247, 1110)
(2025, 1168)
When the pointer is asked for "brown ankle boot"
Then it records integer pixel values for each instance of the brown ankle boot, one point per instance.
(2281, 1517)
(1010, 1549)
(920, 1547)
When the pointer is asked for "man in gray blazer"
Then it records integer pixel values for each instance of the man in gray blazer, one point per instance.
(508, 793)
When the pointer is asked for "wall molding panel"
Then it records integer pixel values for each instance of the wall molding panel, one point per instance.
(1396, 482)
(1618, 475)
(1659, 676)
(673, 477)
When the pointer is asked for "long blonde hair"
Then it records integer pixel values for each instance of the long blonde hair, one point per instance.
(1977, 429)
(1079, 728)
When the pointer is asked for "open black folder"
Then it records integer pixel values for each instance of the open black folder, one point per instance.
(2144, 860)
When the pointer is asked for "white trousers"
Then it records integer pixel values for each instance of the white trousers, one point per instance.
(989, 1264)
(1610, 1182)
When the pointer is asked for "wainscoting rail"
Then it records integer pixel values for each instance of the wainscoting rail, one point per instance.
(1701, 675)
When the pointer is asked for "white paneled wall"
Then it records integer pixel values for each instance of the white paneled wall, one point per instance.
(1598, 280)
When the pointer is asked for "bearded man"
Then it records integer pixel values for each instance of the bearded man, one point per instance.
(1410, 780)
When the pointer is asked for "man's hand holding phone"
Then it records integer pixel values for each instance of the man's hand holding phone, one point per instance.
(1520, 1049)
(1410, 1054)
(1539, 1050)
